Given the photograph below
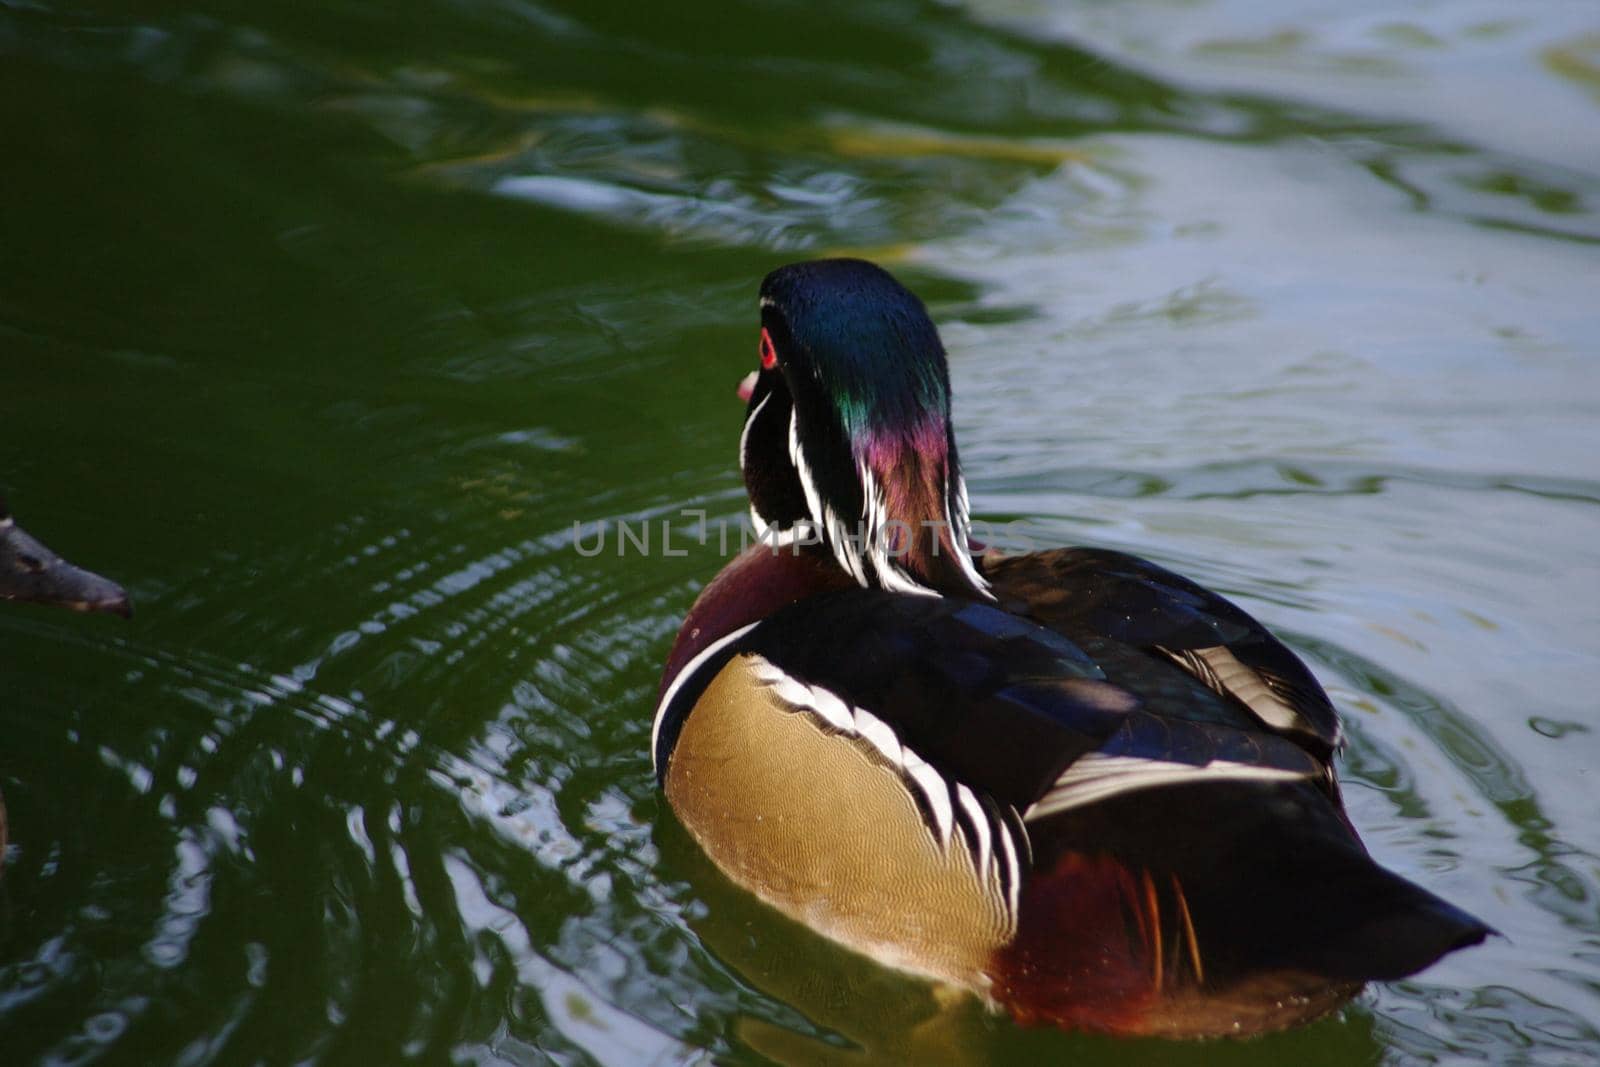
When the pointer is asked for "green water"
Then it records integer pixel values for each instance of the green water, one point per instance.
(322, 325)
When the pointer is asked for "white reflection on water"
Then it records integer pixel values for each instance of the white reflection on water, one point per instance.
(1506, 76)
(611, 1036)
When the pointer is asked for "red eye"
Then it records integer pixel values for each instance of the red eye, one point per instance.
(769, 355)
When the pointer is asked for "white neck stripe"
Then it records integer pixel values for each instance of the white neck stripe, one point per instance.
(744, 434)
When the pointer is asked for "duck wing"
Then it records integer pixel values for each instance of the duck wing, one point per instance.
(1140, 621)
(960, 694)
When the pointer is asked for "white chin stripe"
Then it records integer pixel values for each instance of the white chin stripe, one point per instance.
(744, 434)
(1096, 777)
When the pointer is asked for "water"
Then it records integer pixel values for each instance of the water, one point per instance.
(321, 330)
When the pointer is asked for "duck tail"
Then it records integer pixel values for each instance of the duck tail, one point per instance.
(1197, 911)
(1370, 923)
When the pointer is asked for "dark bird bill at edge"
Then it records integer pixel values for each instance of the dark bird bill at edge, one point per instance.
(30, 571)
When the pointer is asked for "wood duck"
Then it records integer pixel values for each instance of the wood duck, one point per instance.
(30, 571)
(1084, 787)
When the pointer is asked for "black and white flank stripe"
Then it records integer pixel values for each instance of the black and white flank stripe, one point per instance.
(993, 836)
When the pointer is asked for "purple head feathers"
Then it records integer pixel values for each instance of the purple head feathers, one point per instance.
(849, 432)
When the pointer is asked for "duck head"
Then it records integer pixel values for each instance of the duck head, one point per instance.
(30, 571)
(847, 434)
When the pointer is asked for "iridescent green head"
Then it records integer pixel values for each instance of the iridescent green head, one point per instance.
(848, 429)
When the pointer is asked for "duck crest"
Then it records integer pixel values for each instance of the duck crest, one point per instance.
(916, 524)
(869, 437)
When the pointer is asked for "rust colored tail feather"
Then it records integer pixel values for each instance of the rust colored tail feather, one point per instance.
(1239, 929)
